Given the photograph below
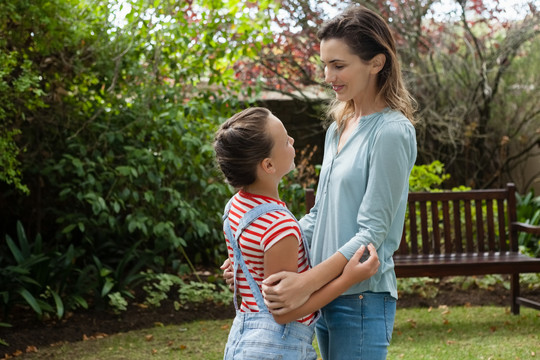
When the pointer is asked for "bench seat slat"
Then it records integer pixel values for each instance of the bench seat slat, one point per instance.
(431, 259)
(457, 226)
(435, 226)
(490, 225)
(464, 264)
(468, 226)
(502, 227)
(479, 226)
(447, 229)
(424, 228)
(413, 229)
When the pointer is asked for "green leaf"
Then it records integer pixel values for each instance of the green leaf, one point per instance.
(68, 228)
(23, 241)
(14, 250)
(80, 301)
(59, 304)
(31, 300)
(109, 284)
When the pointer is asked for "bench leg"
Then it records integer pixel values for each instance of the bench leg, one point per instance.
(514, 289)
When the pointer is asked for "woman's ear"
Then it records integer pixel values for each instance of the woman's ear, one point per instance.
(377, 63)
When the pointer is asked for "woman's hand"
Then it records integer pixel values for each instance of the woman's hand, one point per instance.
(284, 291)
(228, 274)
(356, 271)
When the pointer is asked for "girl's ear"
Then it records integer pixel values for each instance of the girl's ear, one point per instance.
(377, 63)
(268, 166)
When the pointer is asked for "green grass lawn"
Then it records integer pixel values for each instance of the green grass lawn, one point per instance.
(455, 333)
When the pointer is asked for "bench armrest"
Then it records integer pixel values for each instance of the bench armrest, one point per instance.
(530, 229)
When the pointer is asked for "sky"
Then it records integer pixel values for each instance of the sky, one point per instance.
(512, 9)
(449, 9)
(445, 10)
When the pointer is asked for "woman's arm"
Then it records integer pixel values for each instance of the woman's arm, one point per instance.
(354, 272)
(286, 291)
(387, 184)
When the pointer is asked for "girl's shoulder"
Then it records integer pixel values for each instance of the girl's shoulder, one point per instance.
(243, 202)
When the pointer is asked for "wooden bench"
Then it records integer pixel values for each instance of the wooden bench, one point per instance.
(463, 233)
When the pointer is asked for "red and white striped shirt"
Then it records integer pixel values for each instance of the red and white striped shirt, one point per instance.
(257, 238)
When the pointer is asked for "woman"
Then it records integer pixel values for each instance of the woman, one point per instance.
(370, 149)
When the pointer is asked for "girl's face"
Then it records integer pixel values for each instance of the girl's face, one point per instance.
(283, 153)
(350, 76)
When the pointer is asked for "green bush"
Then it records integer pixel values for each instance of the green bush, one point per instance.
(111, 122)
(428, 177)
(134, 186)
(48, 281)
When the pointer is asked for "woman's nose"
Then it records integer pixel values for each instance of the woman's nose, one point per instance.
(328, 76)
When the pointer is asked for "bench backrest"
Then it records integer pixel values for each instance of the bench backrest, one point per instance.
(475, 221)
(450, 222)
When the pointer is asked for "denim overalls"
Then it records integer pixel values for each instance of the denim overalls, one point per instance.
(256, 336)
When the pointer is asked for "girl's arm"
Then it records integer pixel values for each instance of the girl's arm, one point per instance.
(282, 257)
(354, 272)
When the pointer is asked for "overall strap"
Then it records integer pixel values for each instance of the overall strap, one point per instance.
(250, 216)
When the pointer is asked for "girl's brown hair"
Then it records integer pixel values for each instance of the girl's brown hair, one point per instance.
(241, 143)
(368, 35)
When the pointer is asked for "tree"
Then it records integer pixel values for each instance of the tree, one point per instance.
(474, 92)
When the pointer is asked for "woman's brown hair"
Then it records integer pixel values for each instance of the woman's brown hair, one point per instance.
(241, 143)
(367, 34)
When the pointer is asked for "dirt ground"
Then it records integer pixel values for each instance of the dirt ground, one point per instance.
(28, 332)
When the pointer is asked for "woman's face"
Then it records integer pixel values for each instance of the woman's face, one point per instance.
(283, 152)
(350, 76)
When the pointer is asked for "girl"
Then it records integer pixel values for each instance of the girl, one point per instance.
(370, 149)
(254, 152)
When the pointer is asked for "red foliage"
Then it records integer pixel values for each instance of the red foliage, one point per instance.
(287, 62)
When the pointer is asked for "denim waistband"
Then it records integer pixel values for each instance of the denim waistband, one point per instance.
(264, 320)
(366, 294)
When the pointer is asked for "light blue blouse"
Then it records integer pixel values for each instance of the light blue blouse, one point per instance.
(362, 195)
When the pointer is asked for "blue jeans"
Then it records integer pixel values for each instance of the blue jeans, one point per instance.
(256, 336)
(356, 327)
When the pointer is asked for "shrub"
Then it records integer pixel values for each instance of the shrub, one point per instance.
(47, 281)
